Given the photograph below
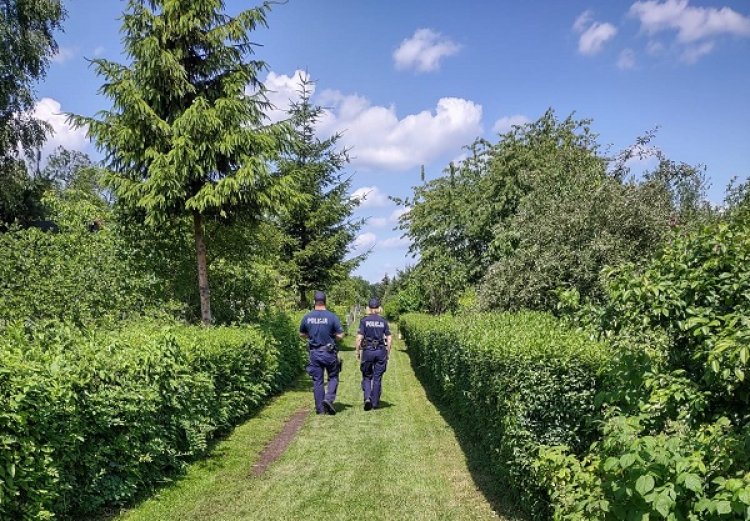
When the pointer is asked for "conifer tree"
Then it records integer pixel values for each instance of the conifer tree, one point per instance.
(319, 226)
(185, 135)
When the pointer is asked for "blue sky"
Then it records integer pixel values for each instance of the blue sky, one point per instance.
(411, 83)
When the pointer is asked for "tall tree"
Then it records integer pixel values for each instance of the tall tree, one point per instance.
(319, 226)
(185, 135)
(28, 43)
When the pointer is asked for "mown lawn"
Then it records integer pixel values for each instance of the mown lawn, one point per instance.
(399, 462)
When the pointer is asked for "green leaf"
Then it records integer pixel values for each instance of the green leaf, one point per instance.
(693, 482)
(644, 484)
(627, 460)
(723, 507)
(663, 504)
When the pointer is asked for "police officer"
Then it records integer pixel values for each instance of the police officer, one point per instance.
(373, 347)
(321, 328)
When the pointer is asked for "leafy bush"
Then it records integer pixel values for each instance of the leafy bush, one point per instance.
(520, 380)
(94, 416)
(675, 445)
(679, 473)
(75, 276)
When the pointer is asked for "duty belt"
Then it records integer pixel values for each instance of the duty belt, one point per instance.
(328, 347)
(372, 345)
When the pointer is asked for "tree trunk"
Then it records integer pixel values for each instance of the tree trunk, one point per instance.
(200, 252)
(303, 303)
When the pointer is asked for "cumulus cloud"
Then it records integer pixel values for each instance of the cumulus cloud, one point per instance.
(696, 28)
(63, 134)
(626, 60)
(282, 91)
(424, 51)
(691, 23)
(593, 34)
(397, 213)
(379, 139)
(693, 53)
(364, 241)
(370, 197)
(395, 242)
(377, 222)
(506, 123)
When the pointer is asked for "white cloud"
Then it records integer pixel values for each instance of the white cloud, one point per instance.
(98, 51)
(593, 34)
(63, 55)
(395, 242)
(364, 241)
(379, 139)
(424, 51)
(654, 48)
(697, 28)
(506, 123)
(694, 53)
(370, 197)
(63, 134)
(282, 91)
(397, 213)
(626, 60)
(691, 23)
(377, 222)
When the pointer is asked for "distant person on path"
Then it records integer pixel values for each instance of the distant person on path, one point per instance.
(321, 328)
(374, 338)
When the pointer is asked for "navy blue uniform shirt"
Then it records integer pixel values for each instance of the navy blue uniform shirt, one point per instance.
(374, 328)
(321, 327)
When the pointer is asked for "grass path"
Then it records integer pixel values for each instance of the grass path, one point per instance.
(399, 462)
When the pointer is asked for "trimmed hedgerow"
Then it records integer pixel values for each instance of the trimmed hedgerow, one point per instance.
(89, 418)
(519, 381)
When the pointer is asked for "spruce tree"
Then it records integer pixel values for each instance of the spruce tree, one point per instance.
(318, 226)
(185, 135)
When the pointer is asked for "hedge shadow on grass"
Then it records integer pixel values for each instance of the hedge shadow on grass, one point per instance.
(486, 477)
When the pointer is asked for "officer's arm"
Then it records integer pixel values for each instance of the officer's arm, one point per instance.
(358, 345)
(388, 343)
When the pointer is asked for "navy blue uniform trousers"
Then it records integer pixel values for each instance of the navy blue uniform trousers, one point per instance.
(322, 361)
(373, 365)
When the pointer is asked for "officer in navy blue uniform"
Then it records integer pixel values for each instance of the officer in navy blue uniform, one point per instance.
(373, 347)
(321, 328)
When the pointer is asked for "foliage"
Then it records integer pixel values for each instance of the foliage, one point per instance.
(91, 417)
(77, 276)
(28, 44)
(675, 443)
(183, 137)
(244, 259)
(20, 196)
(521, 381)
(544, 209)
(679, 473)
(317, 225)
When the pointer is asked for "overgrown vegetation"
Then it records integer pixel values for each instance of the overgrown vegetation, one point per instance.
(93, 416)
(542, 209)
(675, 436)
(518, 380)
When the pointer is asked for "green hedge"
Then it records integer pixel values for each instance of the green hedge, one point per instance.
(518, 381)
(92, 417)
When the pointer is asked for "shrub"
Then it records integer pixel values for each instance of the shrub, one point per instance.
(519, 380)
(95, 416)
(75, 276)
(675, 445)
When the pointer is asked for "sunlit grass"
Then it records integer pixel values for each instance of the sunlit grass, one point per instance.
(401, 462)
